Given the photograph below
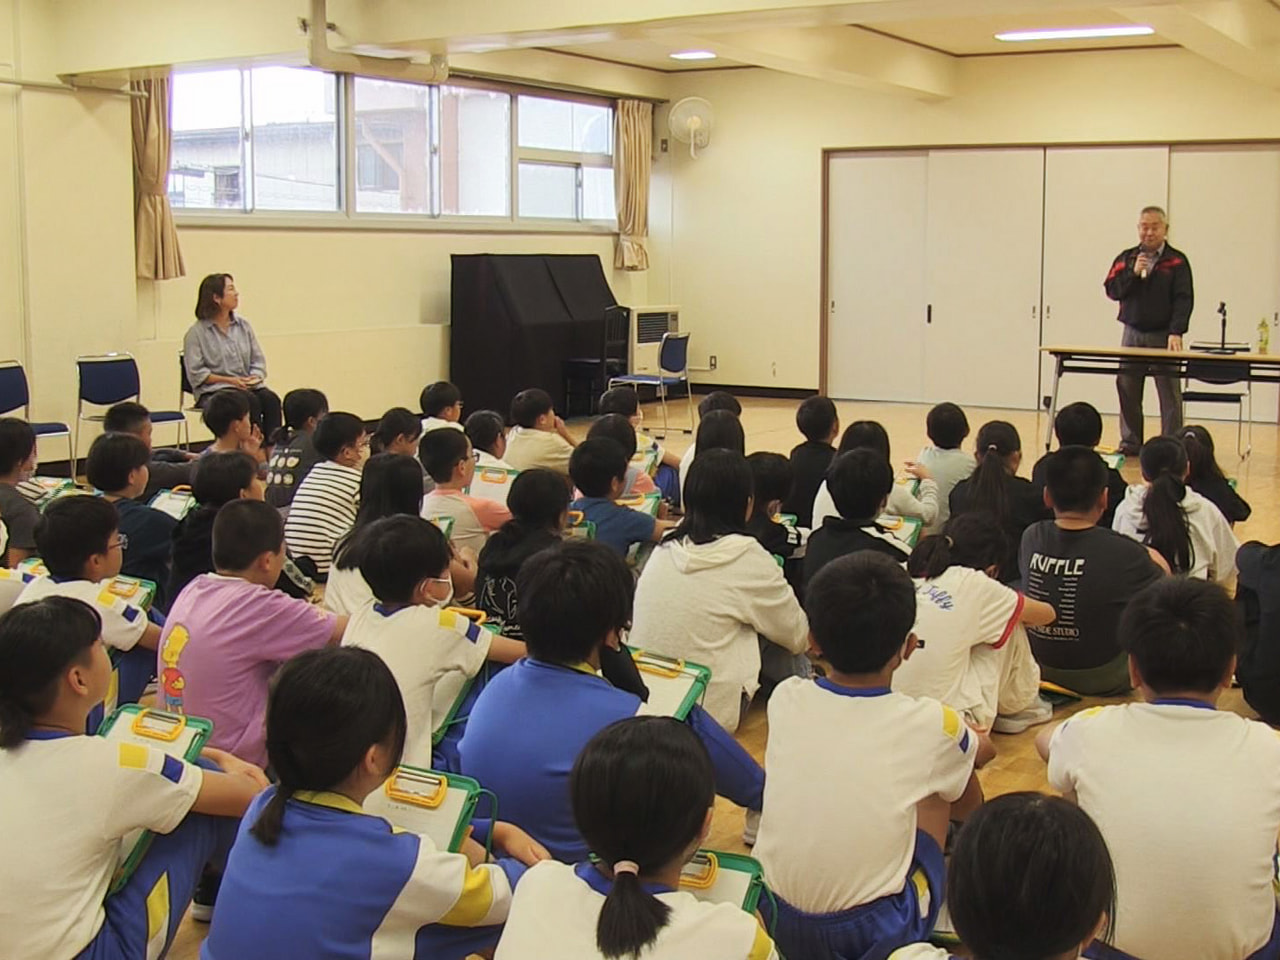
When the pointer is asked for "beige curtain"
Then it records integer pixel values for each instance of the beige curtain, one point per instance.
(632, 163)
(156, 252)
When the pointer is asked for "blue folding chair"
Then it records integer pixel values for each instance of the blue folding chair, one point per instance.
(16, 394)
(673, 370)
(110, 378)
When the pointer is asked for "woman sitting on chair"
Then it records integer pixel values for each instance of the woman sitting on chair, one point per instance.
(221, 350)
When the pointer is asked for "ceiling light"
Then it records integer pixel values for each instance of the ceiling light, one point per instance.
(693, 55)
(1076, 33)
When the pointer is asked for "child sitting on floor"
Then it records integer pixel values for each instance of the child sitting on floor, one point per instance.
(167, 468)
(324, 508)
(870, 435)
(1080, 425)
(947, 463)
(860, 482)
(539, 438)
(76, 799)
(229, 631)
(894, 772)
(625, 401)
(398, 431)
(226, 414)
(818, 420)
(599, 470)
(441, 404)
(450, 462)
(335, 731)
(294, 451)
(974, 655)
(79, 540)
(487, 432)
(1187, 796)
(18, 514)
(1206, 478)
(405, 561)
(117, 466)
(617, 428)
(642, 794)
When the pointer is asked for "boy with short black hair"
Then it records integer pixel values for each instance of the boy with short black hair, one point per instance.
(227, 416)
(448, 459)
(118, 466)
(441, 404)
(1187, 796)
(79, 541)
(895, 770)
(324, 508)
(168, 468)
(947, 427)
(17, 513)
(860, 482)
(626, 402)
(819, 421)
(1080, 425)
(1087, 573)
(229, 631)
(533, 718)
(405, 561)
(616, 427)
(599, 470)
(539, 438)
(487, 432)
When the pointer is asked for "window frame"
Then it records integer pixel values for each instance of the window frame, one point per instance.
(346, 216)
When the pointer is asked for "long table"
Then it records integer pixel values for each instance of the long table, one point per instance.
(1236, 367)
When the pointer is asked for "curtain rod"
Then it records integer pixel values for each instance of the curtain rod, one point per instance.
(69, 88)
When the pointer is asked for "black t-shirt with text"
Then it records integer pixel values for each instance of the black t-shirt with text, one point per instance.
(1087, 576)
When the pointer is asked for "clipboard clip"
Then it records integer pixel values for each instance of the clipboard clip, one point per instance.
(158, 725)
(700, 872)
(417, 788)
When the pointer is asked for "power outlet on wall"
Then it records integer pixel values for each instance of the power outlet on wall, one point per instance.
(712, 361)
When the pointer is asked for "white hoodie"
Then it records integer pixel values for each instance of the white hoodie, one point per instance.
(706, 603)
(1213, 545)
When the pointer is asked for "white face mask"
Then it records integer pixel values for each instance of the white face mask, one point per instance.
(448, 597)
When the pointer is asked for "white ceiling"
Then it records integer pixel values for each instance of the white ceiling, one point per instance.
(968, 36)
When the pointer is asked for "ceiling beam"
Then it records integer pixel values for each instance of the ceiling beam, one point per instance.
(841, 54)
(1242, 36)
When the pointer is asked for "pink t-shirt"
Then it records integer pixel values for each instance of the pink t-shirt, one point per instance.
(474, 518)
(222, 642)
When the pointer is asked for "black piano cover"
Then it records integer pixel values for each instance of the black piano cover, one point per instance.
(516, 318)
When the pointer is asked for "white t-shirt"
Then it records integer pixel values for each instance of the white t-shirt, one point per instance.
(707, 603)
(1188, 800)
(323, 510)
(420, 644)
(958, 613)
(66, 805)
(346, 591)
(902, 503)
(1213, 545)
(123, 623)
(555, 912)
(486, 459)
(846, 771)
(436, 423)
(528, 447)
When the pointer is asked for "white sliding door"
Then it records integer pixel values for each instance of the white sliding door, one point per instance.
(875, 293)
(1224, 213)
(1093, 196)
(983, 276)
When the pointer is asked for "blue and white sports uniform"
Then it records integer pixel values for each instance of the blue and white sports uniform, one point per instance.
(838, 836)
(67, 803)
(340, 884)
(532, 721)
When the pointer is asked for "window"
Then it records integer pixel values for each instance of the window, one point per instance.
(270, 139)
(256, 139)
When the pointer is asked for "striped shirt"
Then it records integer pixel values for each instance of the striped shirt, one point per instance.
(324, 508)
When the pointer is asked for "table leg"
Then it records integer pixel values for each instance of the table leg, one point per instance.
(1053, 403)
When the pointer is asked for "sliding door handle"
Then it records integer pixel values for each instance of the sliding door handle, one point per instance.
(928, 313)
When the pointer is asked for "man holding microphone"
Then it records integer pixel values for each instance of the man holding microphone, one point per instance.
(1152, 283)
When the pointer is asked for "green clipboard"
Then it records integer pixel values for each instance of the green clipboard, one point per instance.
(175, 503)
(580, 527)
(426, 802)
(906, 529)
(675, 686)
(178, 736)
(648, 503)
(646, 460)
(944, 931)
(717, 877)
(445, 524)
(492, 483)
(911, 483)
(40, 489)
(135, 590)
(450, 691)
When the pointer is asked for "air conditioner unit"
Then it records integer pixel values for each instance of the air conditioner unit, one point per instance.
(647, 325)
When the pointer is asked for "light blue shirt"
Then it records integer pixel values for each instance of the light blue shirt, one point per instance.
(235, 353)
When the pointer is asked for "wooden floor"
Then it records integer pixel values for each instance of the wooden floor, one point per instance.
(770, 425)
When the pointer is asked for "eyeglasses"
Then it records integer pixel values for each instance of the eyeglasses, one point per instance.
(475, 455)
(122, 541)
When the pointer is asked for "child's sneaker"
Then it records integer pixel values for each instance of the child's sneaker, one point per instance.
(205, 895)
(1039, 712)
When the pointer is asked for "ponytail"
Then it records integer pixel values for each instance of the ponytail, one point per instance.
(38, 643)
(1164, 522)
(326, 709)
(298, 407)
(997, 441)
(1198, 443)
(972, 539)
(630, 918)
(641, 790)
